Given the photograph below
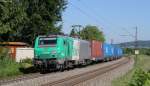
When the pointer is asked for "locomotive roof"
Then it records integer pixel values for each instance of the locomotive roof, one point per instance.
(53, 36)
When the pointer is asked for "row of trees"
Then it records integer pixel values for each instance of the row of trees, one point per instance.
(23, 20)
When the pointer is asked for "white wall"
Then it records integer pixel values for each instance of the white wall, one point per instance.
(23, 53)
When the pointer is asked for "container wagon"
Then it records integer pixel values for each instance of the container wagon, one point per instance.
(107, 51)
(116, 53)
(96, 50)
(84, 52)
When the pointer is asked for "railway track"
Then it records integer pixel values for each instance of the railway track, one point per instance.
(74, 80)
(68, 81)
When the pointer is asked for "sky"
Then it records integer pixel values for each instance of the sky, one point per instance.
(114, 17)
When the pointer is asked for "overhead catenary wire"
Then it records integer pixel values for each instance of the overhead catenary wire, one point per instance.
(101, 17)
(96, 19)
(86, 14)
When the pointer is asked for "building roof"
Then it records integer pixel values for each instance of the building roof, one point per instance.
(14, 43)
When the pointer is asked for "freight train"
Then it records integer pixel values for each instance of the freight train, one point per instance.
(63, 52)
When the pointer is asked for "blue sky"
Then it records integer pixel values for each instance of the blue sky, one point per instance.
(116, 17)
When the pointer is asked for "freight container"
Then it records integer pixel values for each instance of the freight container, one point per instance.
(96, 50)
(113, 51)
(120, 52)
(85, 50)
(116, 52)
(107, 50)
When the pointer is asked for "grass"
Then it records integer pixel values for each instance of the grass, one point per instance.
(10, 68)
(143, 62)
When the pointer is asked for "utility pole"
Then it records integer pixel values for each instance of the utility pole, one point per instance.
(136, 42)
(136, 45)
(135, 36)
(77, 28)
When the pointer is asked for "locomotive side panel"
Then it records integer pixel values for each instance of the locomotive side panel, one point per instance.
(76, 49)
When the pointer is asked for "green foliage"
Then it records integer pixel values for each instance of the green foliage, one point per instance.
(27, 60)
(147, 83)
(23, 20)
(26, 63)
(143, 62)
(3, 53)
(12, 17)
(143, 51)
(73, 32)
(8, 67)
(92, 33)
(140, 78)
(129, 51)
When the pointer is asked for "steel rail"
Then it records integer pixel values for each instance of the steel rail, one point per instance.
(76, 79)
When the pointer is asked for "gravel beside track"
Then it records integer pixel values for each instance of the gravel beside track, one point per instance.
(53, 77)
(107, 78)
(19, 78)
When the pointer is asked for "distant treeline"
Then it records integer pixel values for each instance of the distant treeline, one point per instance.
(145, 51)
(141, 44)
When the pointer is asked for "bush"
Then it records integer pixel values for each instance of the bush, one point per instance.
(27, 67)
(147, 83)
(140, 78)
(8, 67)
(27, 60)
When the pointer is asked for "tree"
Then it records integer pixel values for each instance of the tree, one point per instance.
(26, 19)
(73, 32)
(11, 18)
(92, 33)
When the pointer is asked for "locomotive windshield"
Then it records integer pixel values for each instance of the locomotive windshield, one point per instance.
(47, 41)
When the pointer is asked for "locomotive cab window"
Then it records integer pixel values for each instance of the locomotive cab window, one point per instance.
(47, 42)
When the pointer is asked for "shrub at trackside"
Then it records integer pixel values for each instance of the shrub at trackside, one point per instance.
(140, 78)
(9, 68)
